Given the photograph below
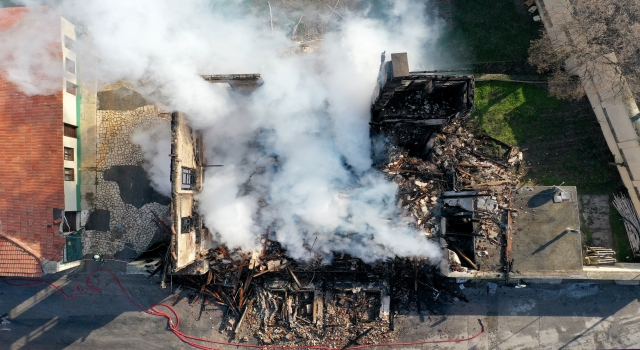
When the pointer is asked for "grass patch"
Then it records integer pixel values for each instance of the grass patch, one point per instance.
(502, 106)
(561, 142)
(490, 30)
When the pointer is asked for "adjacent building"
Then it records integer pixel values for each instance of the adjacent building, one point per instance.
(39, 185)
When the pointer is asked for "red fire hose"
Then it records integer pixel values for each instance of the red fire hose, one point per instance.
(173, 314)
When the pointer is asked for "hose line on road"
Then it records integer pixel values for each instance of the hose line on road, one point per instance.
(172, 315)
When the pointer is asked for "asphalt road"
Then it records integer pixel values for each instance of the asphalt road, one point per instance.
(540, 316)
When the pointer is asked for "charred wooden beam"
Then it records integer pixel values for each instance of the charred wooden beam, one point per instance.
(225, 78)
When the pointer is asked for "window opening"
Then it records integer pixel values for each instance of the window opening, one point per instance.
(70, 130)
(188, 179)
(71, 221)
(70, 66)
(69, 43)
(72, 88)
(68, 174)
(68, 153)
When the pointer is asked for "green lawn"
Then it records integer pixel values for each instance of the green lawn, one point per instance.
(561, 142)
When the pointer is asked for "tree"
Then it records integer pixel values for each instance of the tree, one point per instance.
(598, 28)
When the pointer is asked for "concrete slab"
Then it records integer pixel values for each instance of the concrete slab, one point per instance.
(540, 239)
(619, 119)
(628, 144)
(594, 214)
(632, 159)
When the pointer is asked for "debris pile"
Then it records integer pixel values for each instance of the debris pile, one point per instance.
(631, 221)
(599, 256)
(456, 184)
(445, 169)
(271, 299)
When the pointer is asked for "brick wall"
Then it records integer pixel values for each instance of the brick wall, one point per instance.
(32, 179)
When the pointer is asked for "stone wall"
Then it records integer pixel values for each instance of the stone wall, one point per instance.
(132, 224)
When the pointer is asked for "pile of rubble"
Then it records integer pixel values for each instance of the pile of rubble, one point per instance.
(271, 299)
(443, 168)
(457, 184)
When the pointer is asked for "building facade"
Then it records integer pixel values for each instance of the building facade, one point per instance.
(39, 187)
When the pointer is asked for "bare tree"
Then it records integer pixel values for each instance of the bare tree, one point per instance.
(598, 29)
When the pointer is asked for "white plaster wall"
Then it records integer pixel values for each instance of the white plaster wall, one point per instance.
(70, 198)
(70, 202)
(68, 100)
(69, 113)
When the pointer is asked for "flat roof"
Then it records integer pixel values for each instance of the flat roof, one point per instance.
(540, 239)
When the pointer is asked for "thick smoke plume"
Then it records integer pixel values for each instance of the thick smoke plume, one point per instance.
(155, 143)
(296, 152)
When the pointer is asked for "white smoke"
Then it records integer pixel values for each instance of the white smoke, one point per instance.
(27, 57)
(296, 152)
(155, 143)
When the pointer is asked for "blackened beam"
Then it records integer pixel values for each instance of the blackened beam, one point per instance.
(225, 78)
(435, 122)
(441, 70)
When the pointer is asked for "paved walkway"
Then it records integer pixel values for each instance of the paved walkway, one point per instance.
(608, 93)
(540, 316)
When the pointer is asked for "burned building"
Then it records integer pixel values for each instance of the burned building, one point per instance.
(461, 186)
(189, 238)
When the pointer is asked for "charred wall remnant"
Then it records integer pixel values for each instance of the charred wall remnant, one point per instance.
(245, 83)
(454, 183)
(187, 161)
(412, 106)
(191, 241)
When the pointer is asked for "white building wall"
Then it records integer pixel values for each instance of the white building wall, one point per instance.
(70, 193)
(69, 112)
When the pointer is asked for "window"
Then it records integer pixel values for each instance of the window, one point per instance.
(186, 224)
(68, 153)
(69, 43)
(72, 88)
(71, 221)
(70, 130)
(188, 179)
(70, 65)
(68, 174)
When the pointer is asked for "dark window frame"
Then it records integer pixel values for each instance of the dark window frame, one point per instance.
(186, 224)
(70, 65)
(69, 43)
(188, 178)
(70, 130)
(69, 154)
(69, 174)
(71, 218)
(71, 88)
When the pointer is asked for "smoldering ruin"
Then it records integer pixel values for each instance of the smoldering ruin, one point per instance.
(456, 189)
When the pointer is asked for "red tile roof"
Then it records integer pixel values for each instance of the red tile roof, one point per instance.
(32, 178)
(15, 261)
(11, 15)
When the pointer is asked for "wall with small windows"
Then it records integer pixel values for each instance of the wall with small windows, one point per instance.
(70, 140)
(69, 68)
